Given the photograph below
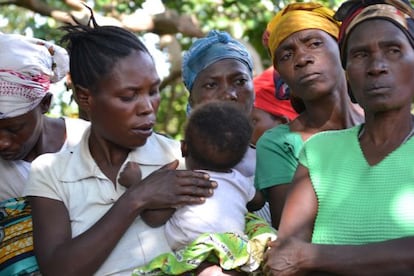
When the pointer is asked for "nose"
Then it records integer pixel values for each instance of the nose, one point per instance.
(144, 106)
(377, 65)
(303, 58)
(230, 93)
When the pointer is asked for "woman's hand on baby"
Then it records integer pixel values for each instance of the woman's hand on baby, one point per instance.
(170, 188)
(283, 257)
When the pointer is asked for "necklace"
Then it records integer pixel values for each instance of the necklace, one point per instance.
(410, 134)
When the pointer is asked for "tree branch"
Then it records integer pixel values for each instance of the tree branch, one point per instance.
(169, 22)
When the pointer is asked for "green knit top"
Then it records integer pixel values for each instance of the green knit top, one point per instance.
(359, 203)
(277, 154)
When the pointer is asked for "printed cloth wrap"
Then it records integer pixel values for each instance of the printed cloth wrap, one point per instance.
(27, 68)
(229, 250)
(210, 49)
(353, 12)
(16, 239)
(272, 94)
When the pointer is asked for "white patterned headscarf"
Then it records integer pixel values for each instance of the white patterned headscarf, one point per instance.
(27, 67)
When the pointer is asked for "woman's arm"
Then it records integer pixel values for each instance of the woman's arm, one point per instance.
(131, 175)
(257, 202)
(300, 209)
(277, 198)
(297, 222)
(392, 257)
(60, 254)
(292, 252)
(158, 217)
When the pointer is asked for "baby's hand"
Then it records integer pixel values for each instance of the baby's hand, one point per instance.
(130, 175)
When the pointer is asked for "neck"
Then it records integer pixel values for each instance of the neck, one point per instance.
(392, 127)
(51, 138)
(106, 153)
(330, 113)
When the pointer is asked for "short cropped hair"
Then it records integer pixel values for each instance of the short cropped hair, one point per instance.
(218, 135)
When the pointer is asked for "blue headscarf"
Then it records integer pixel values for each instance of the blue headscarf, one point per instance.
(207, 50)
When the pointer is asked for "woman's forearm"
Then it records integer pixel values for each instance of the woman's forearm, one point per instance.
(59, 254)
(393, 257)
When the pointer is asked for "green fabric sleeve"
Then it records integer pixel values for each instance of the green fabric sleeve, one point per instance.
(277, 157)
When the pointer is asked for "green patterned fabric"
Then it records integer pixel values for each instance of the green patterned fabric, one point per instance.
(229, 250)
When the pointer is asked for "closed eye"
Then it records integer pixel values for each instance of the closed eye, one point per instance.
(128, 97)
(15, 128)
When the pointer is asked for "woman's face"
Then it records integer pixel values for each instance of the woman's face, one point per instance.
(380, 67)
(309, 62)
(262, 121)
(123, 109)
(19, 135)
(226, 79)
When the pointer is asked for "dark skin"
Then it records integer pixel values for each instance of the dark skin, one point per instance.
(380, 70)
(122, 111)
(27, 136)
(156, 218)
(262, 121)
(226, 79)
(309, 62)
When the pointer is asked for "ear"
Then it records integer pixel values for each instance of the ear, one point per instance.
(350, 94)
(284, 119)
(45, 103)
(82, 97)
(189, 106)
(184, 149)
(191, 100)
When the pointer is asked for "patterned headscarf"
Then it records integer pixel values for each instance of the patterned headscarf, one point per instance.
(27, 67)
(210, 49)
(353, 12)
(265, 87)
(297, 17)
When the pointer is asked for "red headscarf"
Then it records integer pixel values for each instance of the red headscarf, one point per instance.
(264, 86)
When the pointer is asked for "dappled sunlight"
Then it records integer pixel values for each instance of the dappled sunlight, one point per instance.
(402, 209)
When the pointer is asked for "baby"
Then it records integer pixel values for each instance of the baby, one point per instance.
(216, 138)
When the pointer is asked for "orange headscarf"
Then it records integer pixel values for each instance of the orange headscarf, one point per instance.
(265, 89)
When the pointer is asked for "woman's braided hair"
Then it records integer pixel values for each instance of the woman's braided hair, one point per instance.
(94, 50)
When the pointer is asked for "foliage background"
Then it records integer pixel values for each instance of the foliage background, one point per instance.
(173, 28)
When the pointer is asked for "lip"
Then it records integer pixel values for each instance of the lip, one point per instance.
(8, 155)
(144, 130)
(309, 77)
(377, 89)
